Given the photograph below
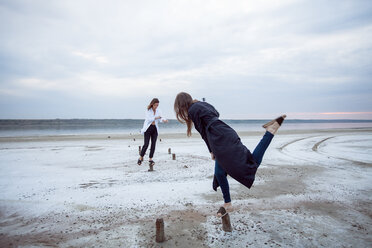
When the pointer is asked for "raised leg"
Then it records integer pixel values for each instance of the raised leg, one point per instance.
(260, 149)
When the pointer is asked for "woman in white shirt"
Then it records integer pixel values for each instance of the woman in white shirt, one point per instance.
(150, 130)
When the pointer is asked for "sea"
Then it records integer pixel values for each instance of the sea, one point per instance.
(55, 127)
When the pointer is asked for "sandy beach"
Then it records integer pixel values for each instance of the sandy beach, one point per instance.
(313, 189)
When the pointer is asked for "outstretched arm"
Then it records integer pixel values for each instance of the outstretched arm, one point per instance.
(162, 118)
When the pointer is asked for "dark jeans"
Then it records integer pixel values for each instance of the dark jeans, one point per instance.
(152, 133)
(258, 154)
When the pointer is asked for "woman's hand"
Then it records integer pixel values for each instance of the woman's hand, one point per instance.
(212, 156)
(157, 118)
(165, 121)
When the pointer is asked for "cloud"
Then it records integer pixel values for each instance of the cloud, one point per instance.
(95, 84)
(307, 52)
(92, 56)
(346, 113)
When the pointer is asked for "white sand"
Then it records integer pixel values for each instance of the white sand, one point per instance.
(313, 189)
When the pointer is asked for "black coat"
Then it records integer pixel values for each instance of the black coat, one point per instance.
(235, 159)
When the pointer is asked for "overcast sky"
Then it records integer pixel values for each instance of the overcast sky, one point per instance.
(250, 59)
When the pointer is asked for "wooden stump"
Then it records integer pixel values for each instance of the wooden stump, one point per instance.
(169, 151)
(160, 237)
(174, 156)
(226, 225)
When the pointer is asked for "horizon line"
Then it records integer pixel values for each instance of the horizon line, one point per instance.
(325, 119)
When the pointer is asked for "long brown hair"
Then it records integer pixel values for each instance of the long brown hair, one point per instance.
(153, 101)
(181, 105)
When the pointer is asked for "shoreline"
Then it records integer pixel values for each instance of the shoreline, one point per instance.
(195, 134)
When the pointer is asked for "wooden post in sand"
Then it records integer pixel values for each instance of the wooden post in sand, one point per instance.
(226, 225)
(169, 151)
(174, 156)
(160, 237)
(139, 150)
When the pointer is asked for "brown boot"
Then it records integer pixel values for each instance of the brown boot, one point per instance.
(273, 126)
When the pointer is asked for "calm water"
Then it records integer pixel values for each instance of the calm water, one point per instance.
(9, 128)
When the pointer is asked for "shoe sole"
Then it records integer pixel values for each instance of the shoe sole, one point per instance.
(273, 121)
(226, 211)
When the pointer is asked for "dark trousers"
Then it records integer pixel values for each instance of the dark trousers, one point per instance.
(152, 133)
(257, 154)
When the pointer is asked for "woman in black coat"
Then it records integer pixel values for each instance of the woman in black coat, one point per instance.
(231, 156)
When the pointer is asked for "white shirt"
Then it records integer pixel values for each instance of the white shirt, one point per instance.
(150, 117)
